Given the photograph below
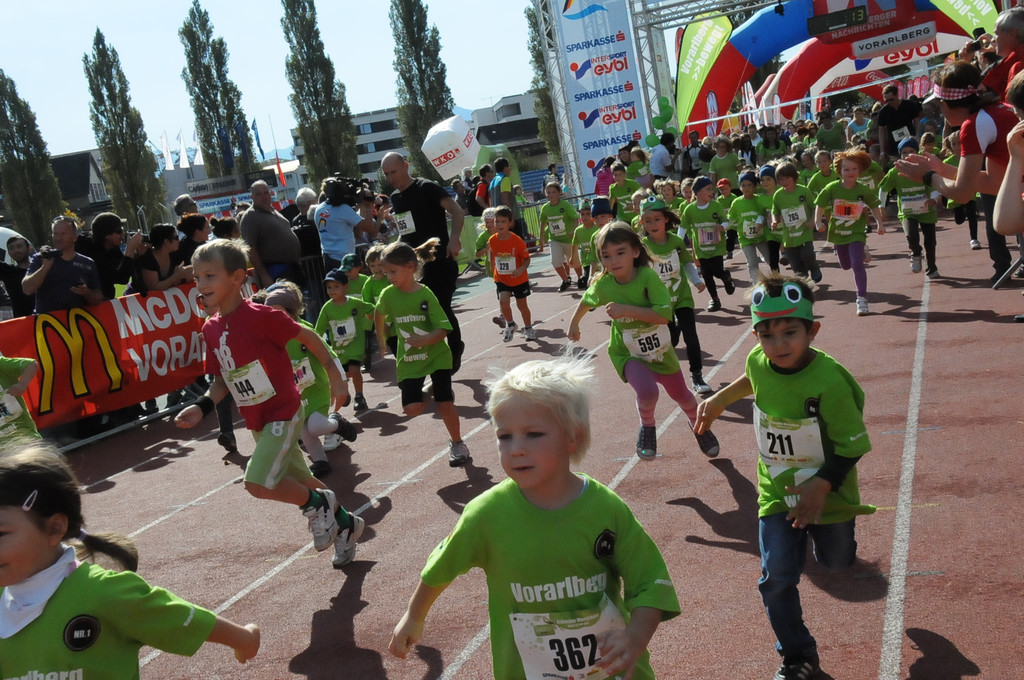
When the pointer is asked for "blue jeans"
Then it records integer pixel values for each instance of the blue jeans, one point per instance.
(783, 552)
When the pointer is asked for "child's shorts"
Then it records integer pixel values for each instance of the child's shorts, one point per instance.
(518, 292)
(277, 455)
(412, 388)
(562, 253)
(351, 363)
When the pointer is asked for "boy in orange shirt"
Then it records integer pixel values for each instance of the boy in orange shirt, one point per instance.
(509, 261)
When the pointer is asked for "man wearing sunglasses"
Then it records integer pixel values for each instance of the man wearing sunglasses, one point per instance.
(59, 277)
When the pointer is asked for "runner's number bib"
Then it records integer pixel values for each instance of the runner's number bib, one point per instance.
(708, 235)
(788, 442)
(847, 211)
(564, 644)
(647, 343)
(303, 373)
(405, 223)
(10, 409)
(250, 384)
(915, 204)
(794, 217)
(752, 229)
(505, 264)
(668, 269)
(556, 225)
(343, 331)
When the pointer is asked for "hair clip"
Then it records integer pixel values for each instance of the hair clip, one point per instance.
(30, 501)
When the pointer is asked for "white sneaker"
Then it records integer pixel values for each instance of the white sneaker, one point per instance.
(862, 306)
(458, 454)
(332, 441)
(975, 245)
(915, 264)
(321, 520)
(345, 544)
(510, 330)
(699, 386)
(529, 333)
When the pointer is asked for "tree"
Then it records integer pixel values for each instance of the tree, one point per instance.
(129, 167)
(318, 99)
(216, 100)
(423, 95)
(547, 128)
(30, 191)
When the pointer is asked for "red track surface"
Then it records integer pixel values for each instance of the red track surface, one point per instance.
(940, 565)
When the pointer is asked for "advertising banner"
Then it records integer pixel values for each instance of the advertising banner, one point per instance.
(602, 81)
(699, 47)
(970, 14)
(119, 353)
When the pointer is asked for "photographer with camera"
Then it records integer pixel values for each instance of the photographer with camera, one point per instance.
(59, 277)
(20, 250)
(114, 267)
(338, 222)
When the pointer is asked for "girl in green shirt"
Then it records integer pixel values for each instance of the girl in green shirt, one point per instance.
(725, 163)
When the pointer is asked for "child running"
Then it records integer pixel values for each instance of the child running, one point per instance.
(673, 259)
(606, 598)
(422, 326)
(64, 618)
(848, 202)
(640, 307)
(809, 425)
(558, 221)
(510, 262)
(343, 323)
(917, 211)
(706, 221)
(791, 210)
(747, 218)
(15, 375)
(246, 348)
(371, 291)
(582, 241)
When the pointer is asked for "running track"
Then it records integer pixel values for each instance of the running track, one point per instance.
(935, 595)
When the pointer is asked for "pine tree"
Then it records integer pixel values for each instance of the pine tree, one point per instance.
(31, 194)
(216, 100)
(318, 98)
(424, 99)
(129, 167)
(547, 128)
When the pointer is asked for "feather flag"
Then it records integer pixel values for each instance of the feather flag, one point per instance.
(198, 160)
(280, 173)
(225, 149)
(242, 139)
(183, 153)
(168, 161)
(256, 133)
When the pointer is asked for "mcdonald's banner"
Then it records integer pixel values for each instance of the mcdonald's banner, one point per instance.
(98, 359)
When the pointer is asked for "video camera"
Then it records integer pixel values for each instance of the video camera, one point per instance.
(342, 190)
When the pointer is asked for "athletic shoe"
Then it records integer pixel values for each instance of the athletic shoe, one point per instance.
(361, 404)
(729, 285)
(320, 467)
(564, 286)
(647, 442)
(932, 273)
(529, 333)
(714, 305)
(499, 321)
(708, 443)
(227, 441)
(867, 256)
(699, 386)
(783, 260)
(345, 544)
(331, 442)
(801, 668)
(728, 254)
(975, 245)
(581, 283)
(321, 520)
(816, 276)
(345, 429)
(915, 264)
(510, 330)
(862, 306)
(458, 454)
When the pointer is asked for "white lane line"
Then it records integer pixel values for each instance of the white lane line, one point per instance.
(892, 634)
(482, 635)
(179, 508)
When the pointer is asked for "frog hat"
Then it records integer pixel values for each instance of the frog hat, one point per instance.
(789, 302)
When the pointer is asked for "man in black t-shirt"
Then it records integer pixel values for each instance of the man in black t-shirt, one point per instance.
(897, 120)
(421, 209)
(12, 274)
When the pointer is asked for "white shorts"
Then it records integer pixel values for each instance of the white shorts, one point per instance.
(563, 253)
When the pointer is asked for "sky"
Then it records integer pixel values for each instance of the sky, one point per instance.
(45, 40)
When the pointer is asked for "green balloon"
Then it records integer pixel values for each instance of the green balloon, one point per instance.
(672, 131)
(653, 140)
(664, 103)
(658, 121)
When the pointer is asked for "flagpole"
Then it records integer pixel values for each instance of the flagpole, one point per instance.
(277, 158)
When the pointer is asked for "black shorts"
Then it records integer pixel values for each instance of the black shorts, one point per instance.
(518, 292)
(412, 388)
(352, 363)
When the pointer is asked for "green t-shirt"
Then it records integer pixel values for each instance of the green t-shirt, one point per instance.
(15, 419)
(344, 327)
(772, 234)
(583, 238)
(310, 375)
(373, 287)
(671, 269)
(108, 616)
(705, 228)
(798, 419)
(559, 221)
(911, 197)
(637, 169)
(725, 166)
(553, 561)
(762, 151)
(831, 140)
(633, 339)
(849, 211)
(795, 211)
(622, 197)
(872, 177)
(356, 283)
(746, 216)
(418, 312)
(726, 200)
(819, 181)
(805, 176)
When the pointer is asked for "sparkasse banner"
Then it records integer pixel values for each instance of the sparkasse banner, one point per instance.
(602, 80)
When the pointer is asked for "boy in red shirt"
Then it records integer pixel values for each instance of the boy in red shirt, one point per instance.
(509, 261)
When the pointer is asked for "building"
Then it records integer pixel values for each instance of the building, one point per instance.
(377, 133)
(512, 121)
